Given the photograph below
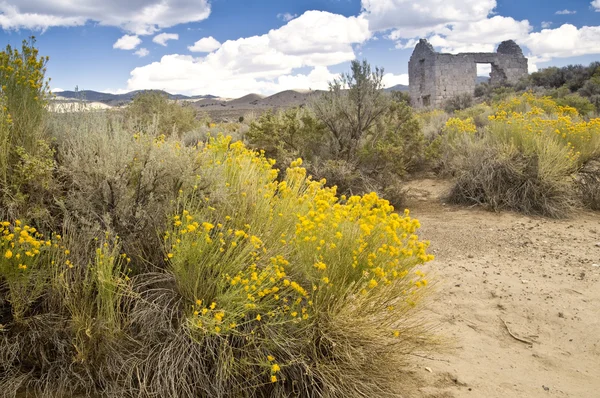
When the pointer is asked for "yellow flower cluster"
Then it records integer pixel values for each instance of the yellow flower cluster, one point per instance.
(456, 125)
(22, 245)
(529, 102)
(265, 291)
(23, 71)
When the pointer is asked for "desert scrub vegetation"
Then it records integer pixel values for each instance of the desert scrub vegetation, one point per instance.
(153, 109)
(198, 270)
(356, 136)
(525, 158)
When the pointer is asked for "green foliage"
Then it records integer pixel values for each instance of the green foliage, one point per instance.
(24, 92)
(582, 104)
(352, 106)
(400, 96)
(574, 78)
(286, 291)
(153, 109)
(117, 180)
(394, 146)
(26, 160)
(196, 270)
(591, 87)
(479, 114)
(552, 77)
(356, 136)
(288, 135)
(497, 175)
(234, 295)
(458, 102)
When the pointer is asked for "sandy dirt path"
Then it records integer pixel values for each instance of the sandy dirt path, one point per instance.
(498, 272)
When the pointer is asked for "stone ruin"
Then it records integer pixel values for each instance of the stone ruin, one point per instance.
(434, 77)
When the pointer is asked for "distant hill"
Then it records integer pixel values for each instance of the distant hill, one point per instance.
(246, 99)
(397, 87)
(119, 99)
(283, 99)
(482, 79)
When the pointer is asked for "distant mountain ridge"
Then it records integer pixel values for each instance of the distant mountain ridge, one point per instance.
(115, 99)
(397, 87)
(203, 100)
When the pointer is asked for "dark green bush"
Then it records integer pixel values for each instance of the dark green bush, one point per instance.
(153, 111)
(289, 134)
(582, 104)
(458, 102)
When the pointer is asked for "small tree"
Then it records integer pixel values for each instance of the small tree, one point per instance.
(352, 106)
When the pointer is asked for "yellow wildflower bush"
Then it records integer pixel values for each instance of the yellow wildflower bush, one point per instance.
(23, 98)
(525, 157)
(263, 264)
(545, 121)
(25, 90)
(26, 263)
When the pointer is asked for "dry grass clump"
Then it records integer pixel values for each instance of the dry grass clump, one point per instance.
(506, 179)
(588, 184)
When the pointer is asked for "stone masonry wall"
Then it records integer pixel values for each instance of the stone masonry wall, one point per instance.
(436, 77)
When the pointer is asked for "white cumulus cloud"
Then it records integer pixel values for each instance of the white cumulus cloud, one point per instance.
(263, 64)
(286, 16)
(481, 36)
(565, 41)
(565, 12)
(205, 45)
(596, 5)
(141, 17)
(390, 80)
(418, 18)
(142, 52)
(163, 38)
(127, 42)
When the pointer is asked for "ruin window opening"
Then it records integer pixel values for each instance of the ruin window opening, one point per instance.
(421, 74)
(427, 100)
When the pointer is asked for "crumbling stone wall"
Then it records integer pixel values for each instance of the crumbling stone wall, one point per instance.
(435, 77)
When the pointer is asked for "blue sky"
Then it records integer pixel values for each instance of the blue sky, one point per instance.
(267, 46)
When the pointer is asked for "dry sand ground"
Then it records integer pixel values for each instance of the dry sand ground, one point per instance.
(539, 276)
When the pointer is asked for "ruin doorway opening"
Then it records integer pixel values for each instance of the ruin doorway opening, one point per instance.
(483, 79)
(484, 71)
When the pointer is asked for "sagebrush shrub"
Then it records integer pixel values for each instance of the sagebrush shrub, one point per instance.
(154, 109)
(458, 102)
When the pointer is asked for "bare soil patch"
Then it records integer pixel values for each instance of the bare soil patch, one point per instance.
(504, 281)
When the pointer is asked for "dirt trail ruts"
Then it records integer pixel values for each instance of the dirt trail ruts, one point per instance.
(503, 273)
